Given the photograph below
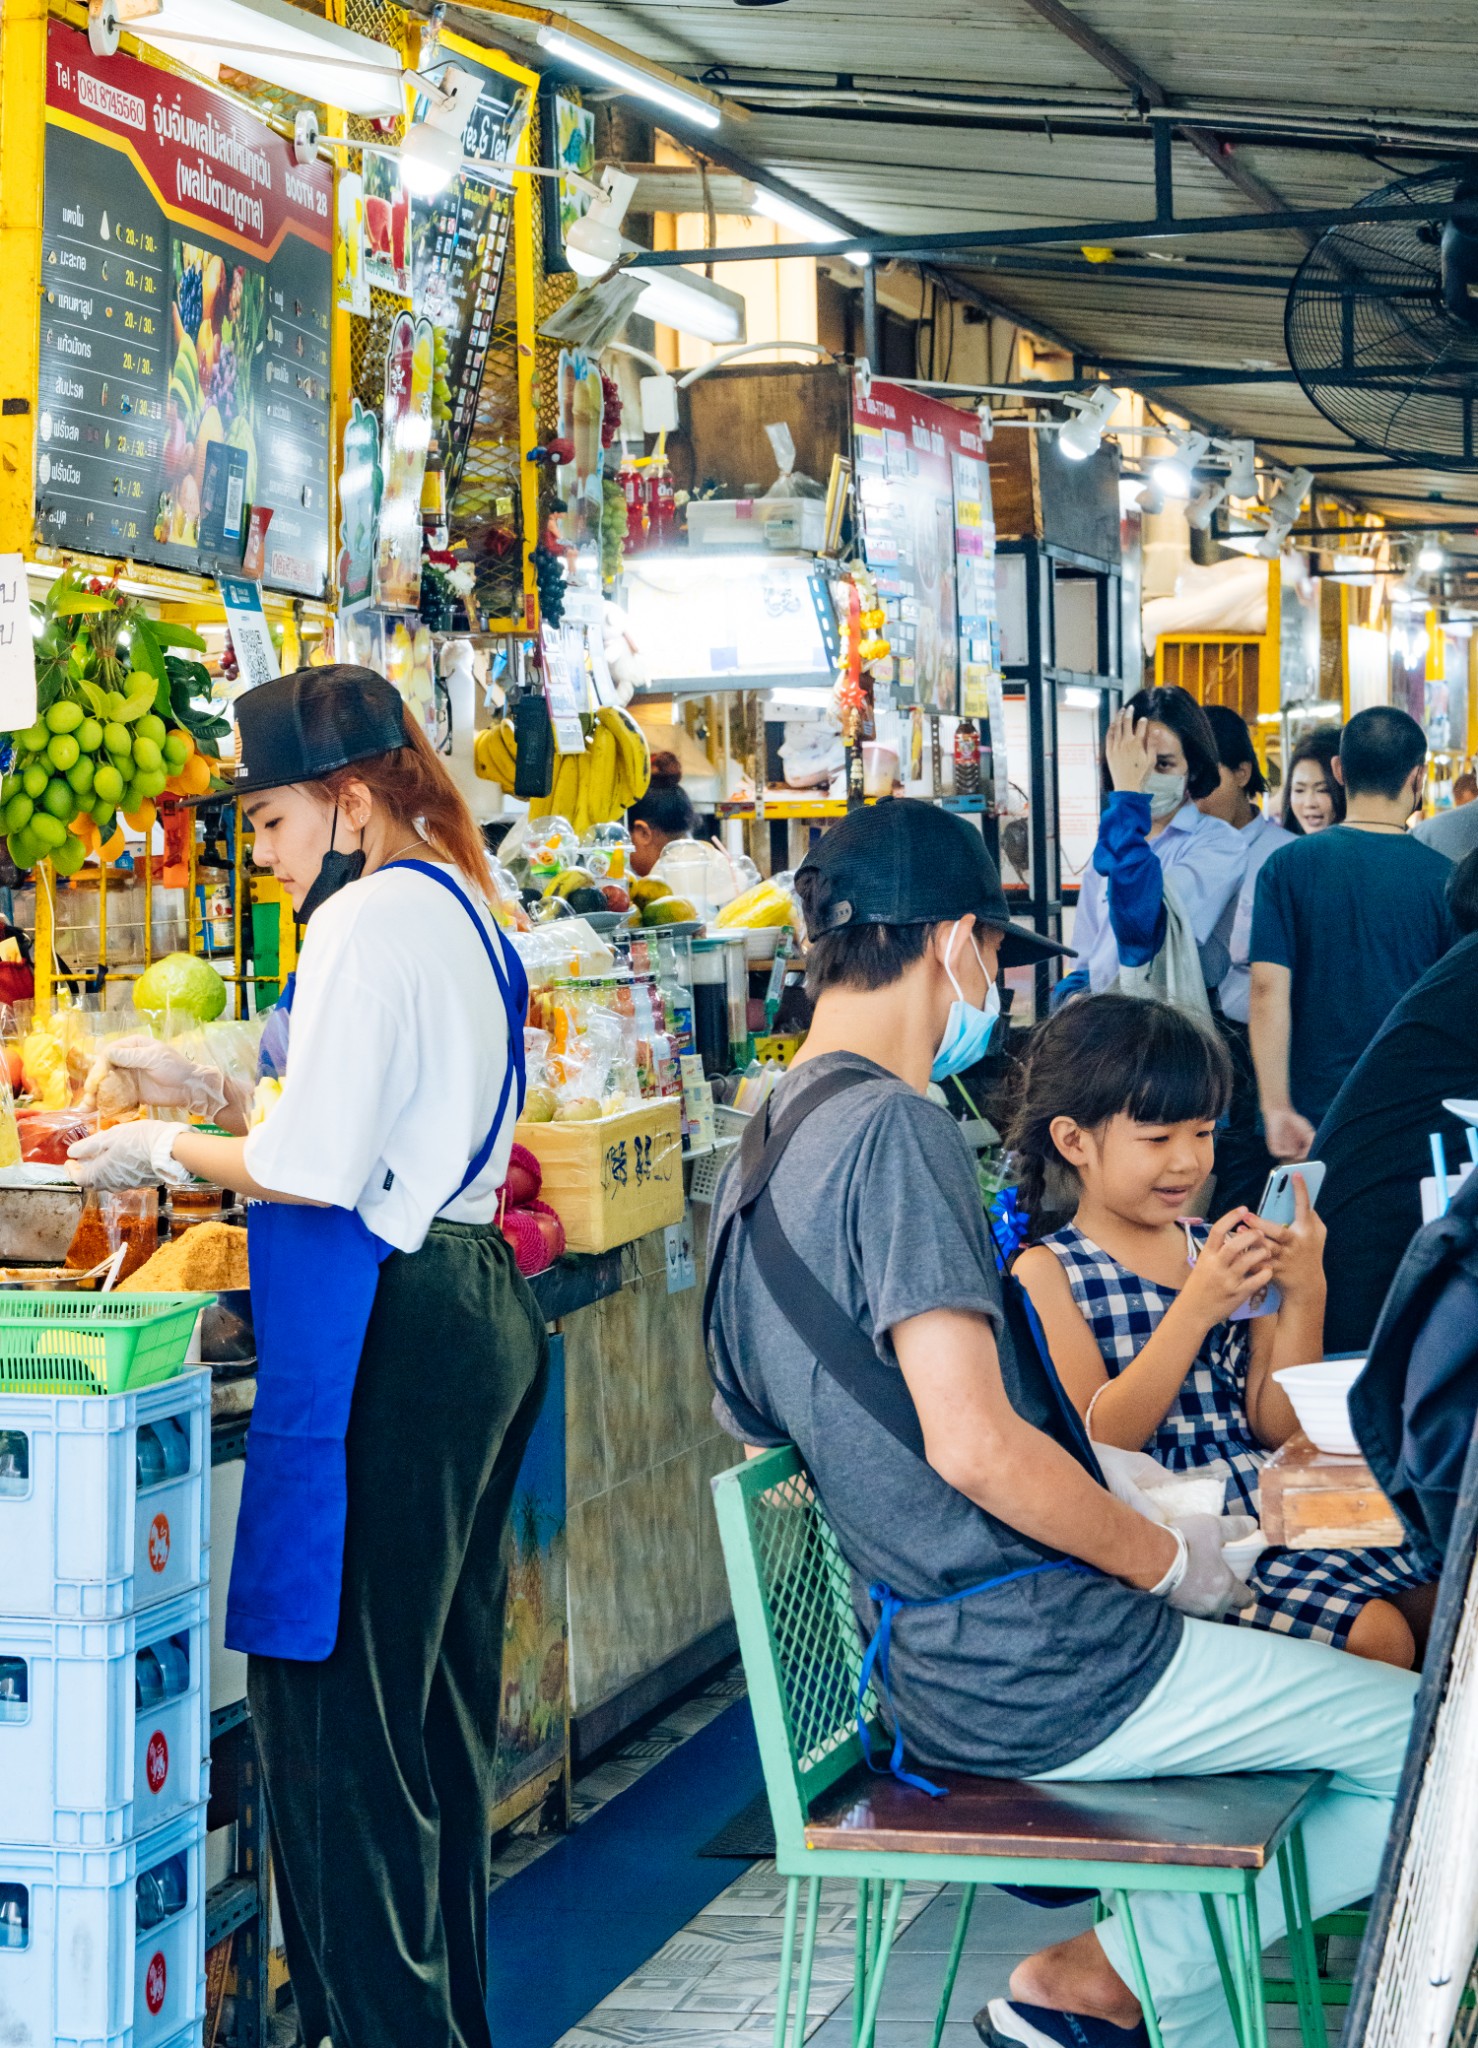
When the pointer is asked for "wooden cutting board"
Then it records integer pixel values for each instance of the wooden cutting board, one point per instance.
(1313, 1500)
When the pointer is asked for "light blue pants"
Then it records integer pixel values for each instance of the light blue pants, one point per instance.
(1235, 1699)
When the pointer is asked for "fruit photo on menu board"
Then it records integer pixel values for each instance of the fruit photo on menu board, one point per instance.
(217, 329)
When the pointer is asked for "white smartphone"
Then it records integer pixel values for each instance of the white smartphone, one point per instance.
(1277, 1204)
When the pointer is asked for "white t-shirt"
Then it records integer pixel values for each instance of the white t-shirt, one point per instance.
(396, 1057)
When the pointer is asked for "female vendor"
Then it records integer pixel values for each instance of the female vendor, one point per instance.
(1159, 758)
(401, 1357)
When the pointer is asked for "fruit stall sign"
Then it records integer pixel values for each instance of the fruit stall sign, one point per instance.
(351, 279)
(187, 263)
(409, 363)
(360, 482)
(912, 455)
(17, 667)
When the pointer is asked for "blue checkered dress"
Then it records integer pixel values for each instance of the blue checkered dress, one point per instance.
(1315, 1593)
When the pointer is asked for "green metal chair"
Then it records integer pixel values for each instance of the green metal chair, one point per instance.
(802, 1655)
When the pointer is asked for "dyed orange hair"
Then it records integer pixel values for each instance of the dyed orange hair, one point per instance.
(413, 785)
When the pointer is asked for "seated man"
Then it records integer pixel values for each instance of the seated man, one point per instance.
(948, 1466)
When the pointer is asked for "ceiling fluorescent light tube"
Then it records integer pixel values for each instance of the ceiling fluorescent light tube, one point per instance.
(692, 304)
(628, 76)
(282, 45)
(809, 226)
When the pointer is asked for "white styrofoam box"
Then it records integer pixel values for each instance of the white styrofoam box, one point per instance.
(79, 1538)
(227, 1667)
(86, 1973)
(80, 1762)
(757, 522)
(220, 1856)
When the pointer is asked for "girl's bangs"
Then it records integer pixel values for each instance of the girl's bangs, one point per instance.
(1181, 1074)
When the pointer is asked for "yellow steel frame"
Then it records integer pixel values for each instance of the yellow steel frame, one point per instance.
(1268, 643)
(182, 598)
(22, 149)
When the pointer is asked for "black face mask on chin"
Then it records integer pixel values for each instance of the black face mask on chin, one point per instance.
(335, 872)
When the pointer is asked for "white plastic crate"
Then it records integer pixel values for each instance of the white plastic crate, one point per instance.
(78, 1966)
(94, 1748)
(80, 1539)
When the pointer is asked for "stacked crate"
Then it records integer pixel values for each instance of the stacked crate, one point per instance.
(104, 1714)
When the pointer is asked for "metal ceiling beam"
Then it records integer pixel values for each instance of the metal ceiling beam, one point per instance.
(1205, 141)
(924, 244)
(1139, 270)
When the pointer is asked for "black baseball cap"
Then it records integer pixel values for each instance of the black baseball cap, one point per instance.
(906, 862)
(299, 727)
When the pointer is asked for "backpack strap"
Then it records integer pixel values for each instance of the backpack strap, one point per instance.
(826, 1330)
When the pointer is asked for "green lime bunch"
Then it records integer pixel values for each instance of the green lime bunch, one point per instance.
(100, 746)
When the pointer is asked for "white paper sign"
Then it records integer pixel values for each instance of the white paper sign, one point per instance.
(564, 684)
(17, 661)
(682, 1272)
(251, 639)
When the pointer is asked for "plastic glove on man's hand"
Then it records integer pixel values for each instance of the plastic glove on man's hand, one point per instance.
(1206, 1585)
(133, 1155)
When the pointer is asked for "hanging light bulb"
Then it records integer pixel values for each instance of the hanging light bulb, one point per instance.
(1431, 560)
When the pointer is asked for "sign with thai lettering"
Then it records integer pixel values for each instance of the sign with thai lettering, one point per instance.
(187, 282)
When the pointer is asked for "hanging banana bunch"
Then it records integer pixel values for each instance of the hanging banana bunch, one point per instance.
(592, 788)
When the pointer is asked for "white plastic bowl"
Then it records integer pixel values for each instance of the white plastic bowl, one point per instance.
(1320, 1396)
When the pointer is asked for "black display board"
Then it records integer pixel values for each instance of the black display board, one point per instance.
(186, 292)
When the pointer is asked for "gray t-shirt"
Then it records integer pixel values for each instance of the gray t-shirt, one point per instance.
(1453, 832)
(878, 1195)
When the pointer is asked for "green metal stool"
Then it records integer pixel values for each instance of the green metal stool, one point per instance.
(798, 1636)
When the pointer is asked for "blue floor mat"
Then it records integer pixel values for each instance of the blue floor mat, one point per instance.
(600, 1903)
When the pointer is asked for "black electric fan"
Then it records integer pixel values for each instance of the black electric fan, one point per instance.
(1382, 322)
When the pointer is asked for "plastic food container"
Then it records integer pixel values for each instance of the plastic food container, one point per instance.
(1320, 1396)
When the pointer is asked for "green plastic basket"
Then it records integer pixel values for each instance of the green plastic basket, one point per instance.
(93, 1344)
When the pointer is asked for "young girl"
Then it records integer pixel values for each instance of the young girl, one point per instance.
(1140, 1304)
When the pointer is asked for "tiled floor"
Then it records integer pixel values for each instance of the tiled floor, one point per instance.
(713, 1985)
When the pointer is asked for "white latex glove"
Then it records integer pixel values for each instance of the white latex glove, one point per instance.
(165, 1079)
(132, 1155)
(1201, 1582)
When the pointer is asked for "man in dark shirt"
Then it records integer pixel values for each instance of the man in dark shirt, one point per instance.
(1005, 1659)
(1346, 921)
(1376, 1140)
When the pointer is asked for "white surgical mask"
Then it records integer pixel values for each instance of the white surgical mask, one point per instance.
(1166, 794)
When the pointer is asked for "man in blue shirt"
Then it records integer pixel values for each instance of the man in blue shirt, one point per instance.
(1345, 922)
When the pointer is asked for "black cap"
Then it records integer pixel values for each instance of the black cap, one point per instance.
(299, 727)
(905, 862)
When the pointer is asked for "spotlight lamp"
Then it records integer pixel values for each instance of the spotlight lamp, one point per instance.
(1175, 474)
(1082, 435)
(1431, 560)
(1200, 511)
(1151, 500)
(1290, 497)
(1241, 468)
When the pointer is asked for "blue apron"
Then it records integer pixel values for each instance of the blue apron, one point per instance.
(314, 1273)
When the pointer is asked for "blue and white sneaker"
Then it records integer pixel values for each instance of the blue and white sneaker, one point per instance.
(1010, 2023)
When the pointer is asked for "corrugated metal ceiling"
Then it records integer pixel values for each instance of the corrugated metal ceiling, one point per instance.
(917, 171)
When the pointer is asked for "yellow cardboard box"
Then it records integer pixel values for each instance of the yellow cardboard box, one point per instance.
(612, 1179)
